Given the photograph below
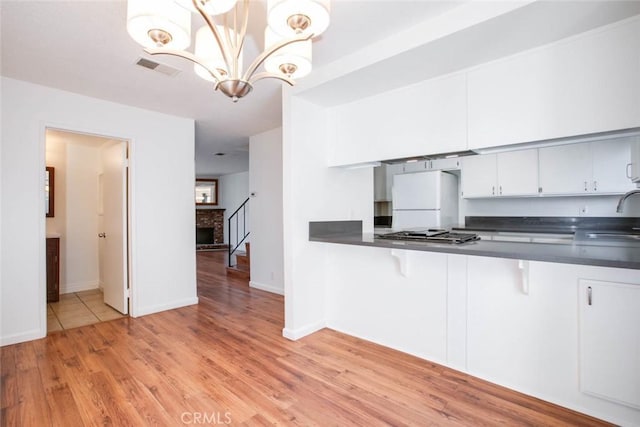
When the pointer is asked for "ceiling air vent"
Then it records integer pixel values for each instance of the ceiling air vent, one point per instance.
(160, 68)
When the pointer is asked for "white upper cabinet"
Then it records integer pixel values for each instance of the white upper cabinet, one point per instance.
(426, 118)
(513, 173)
(479, 176)
(565, 169)
(610, 160)
(416, 166)
(518, 173)
(589, 168)
(577, 86)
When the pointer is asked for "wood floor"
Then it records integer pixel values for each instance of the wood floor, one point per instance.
(225, 362)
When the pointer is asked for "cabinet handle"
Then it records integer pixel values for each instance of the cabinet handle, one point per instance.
(628, 170)
(586, 186)
(501, 190)
(493, 190)
(523, 266)
(595, 185)
(589, 296)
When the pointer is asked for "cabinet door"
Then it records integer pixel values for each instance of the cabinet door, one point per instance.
(585, 85)
(521, 324)
(416, 166)
(53, 269)
(479, 176)
(610, 341)
(565, 169)
(518, 173)
(445, 164)
(610, 160)
(429, 117)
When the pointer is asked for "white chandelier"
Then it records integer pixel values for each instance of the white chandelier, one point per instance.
(164, 27)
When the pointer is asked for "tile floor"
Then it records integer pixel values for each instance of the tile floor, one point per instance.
(79, 309)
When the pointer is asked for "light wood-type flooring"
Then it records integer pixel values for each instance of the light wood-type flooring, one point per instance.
(225, 362)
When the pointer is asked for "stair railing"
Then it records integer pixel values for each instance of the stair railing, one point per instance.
(241, 211)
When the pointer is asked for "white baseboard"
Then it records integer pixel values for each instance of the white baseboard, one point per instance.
(31, 335)
(296, 334)
(79, 286)
(268, 288)
(164, 307)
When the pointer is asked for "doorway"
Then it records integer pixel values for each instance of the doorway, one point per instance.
(91, 223)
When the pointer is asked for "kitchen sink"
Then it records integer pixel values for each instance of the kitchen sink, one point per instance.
(612, 236)
(607, 238)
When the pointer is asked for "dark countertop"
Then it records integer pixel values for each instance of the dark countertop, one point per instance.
(350, 233)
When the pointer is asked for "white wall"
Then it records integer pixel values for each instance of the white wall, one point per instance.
(313, 192)
(162, 224)
(80, 239)
(77, 164)
(233, 191)
(265, 183)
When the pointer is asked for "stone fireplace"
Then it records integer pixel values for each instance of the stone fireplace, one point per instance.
(209, 227)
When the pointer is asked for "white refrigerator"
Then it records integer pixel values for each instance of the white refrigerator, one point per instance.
(425, 200)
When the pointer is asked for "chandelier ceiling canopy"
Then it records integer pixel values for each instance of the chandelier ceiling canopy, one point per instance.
(164, 27)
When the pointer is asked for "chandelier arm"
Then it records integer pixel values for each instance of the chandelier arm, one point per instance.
(264, 55)
(189, 56)
(212, 26)
(266, 75)
(241, 34)
(233, 65)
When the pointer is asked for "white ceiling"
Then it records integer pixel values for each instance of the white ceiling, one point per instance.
(83, 47)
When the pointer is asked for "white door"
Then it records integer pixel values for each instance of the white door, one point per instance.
(115, 226)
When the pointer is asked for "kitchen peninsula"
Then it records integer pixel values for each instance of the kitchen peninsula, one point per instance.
(552, 320)
(555, 318)
(560, 246)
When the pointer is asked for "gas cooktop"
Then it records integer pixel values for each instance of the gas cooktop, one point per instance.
(431, 235)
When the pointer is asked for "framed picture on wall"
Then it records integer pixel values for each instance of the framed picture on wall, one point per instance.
(206, 192)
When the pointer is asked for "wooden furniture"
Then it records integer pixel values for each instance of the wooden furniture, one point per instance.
(53, 269)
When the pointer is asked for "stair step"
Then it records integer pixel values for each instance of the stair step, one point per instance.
(242, 260)
(239, 273)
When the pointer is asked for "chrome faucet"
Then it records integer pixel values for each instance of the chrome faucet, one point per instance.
(625, 197)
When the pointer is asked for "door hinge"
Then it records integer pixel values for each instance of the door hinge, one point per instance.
(127, 293)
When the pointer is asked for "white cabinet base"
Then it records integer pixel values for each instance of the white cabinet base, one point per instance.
(610, 341)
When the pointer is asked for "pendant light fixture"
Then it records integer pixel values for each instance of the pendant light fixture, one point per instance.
(163, 27)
